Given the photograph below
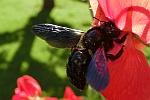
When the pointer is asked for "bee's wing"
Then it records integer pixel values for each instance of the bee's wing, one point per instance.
(97, 72)
(57, 36)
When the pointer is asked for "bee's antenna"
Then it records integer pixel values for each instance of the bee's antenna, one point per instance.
(98, 19)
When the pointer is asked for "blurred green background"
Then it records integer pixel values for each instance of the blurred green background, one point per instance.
(23, 53)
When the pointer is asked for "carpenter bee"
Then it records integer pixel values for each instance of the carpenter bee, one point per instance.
(87, 63)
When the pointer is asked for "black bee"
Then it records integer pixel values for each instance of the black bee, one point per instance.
(103, 36)
(77, 66)
(86, 63)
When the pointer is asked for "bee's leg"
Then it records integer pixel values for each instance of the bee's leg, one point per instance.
(122, 39)
(114, 57)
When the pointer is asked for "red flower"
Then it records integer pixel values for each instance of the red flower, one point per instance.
(70, 95)
(130, 74)
(28, 89)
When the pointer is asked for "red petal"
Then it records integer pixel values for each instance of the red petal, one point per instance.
(94, 6)
(129, 15)
(97, 12)
(70, 95)
(19, 95)
(129, 75)
(29, 85)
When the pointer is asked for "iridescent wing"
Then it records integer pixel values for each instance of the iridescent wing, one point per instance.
(57, 36)
(97, 75)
